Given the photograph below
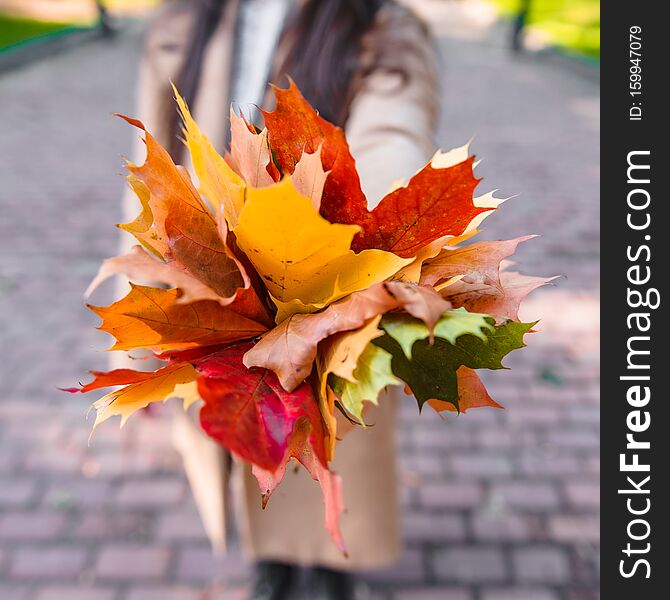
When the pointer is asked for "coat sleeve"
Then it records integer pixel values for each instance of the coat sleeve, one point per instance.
(393, 117)
(205, 462)
(162, 55)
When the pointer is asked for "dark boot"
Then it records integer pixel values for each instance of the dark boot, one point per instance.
(327, 584)
(271, 581)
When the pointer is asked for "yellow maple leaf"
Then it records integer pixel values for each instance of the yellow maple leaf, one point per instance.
(148, 227)
(339, 354)
(218, 182)
(300, 255)
(169, 382)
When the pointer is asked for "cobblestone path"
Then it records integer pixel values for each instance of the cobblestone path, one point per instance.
(499, 505)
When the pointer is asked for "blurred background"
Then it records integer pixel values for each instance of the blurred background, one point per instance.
(498, 505)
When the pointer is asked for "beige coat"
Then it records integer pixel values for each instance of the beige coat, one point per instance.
(390, 131)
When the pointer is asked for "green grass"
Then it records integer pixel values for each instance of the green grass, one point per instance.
(570, 24)
(14, 30)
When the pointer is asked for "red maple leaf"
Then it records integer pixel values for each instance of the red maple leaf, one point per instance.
(436, 202)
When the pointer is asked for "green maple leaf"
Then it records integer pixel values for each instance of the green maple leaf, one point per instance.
(431, 371)
(372, 374)
(406, 330)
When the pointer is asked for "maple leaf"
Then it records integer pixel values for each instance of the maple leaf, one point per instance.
(331, 484)
(183, 223)
(372, 374)
(477, 263)
(250, 152)
(249, 413)
(309, 177)
(436, 202)
(294, 128)
(479, 297)
(412, 272)
(147, 227)
(471, 393)
(302, 256)
(486, 201)
(420, 301)
(165, 383)
(452, 324)
(339, 354)
(103, 379)
(431, 371)
(152, 318)
(218, 182)
(290, 348)
(138, 265)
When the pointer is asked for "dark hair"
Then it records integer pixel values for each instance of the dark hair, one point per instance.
(324, 46)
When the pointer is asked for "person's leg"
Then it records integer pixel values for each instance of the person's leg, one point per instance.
(328, 584)
(271, 581)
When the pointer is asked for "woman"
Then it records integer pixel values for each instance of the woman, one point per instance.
(368, 66)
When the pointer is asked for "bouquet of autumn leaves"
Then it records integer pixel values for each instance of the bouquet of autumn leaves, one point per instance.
(282, 302)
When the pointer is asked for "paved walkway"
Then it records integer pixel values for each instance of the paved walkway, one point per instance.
(498, 505)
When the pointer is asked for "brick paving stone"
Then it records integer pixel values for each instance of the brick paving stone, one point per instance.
(110, 462)
(31, 525)
(423, 464)
(541, 564)
(480, 466)
(582, 595)
(473, 564)
(85, 493)
(428, 527)
(8, 461)
(112, 525)
(54, 562)
(584, 414)
(16, 491)
(583, 494)
(65, 463)
(130, 562)
(198, 564)
(527, 495)
(435, 593)
(450, 494)
(593, 464)
(179, 592)
(519, 594)
(538, 416)
(180, 526)
(9, 591)
(585, 438)
(427, 439)
(505, 438)
(410, 569)
(534, 463)
(150, 493)
(574, 528)
(505, 527)
(74, 593)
